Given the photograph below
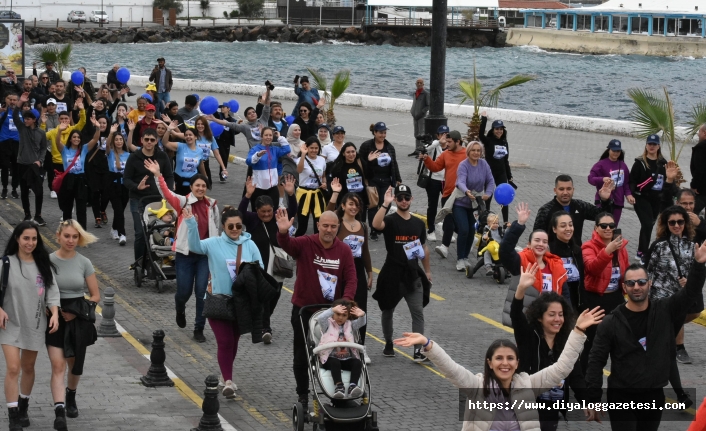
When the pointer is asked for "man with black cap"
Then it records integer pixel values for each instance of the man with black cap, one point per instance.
(400, 276)
(305, 93)
(32, 149)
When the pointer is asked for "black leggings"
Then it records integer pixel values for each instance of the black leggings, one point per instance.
(361, 293)
(73, 189)
(224, 151)
(25, 187)
(119, 198)
(335, 366)
(647, 210)
(434, 190)
(100, 195)
(303, 220)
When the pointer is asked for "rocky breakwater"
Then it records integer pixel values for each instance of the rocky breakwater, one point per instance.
(409, 36)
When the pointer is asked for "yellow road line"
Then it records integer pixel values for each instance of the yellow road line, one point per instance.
(432, 295)
(407, 356)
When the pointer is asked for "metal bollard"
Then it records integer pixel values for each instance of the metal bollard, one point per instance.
(210, 421)
(142, 22)
(107, 327)
(157, 374)
(57, 23)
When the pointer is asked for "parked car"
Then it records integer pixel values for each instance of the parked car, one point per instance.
(76, 16)
(9, 14)
(99, 16)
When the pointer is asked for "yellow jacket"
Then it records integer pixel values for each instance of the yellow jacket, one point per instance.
(51, 136)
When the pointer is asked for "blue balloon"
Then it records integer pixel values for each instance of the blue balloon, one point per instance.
(77, 77)
(504, 194)
(216, 128)
(209, 105)
(148, 97)
(233, 105)
(123, 75)
(289, 119)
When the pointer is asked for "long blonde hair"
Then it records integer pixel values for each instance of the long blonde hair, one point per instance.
(84, 238)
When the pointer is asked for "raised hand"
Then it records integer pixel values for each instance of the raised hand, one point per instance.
(153, 167)
(373, 155)
(700, 253)
(24, 97)
(410, 339)
(249, 187)
(614, 245)
(357, 312)
(607, 189)
(283, 221)
(114, 128)
(590, 317)
(527, 277)
(79, 103)
(143, 184)
(523, 213)
(388, 197)
(186, 213)
(130, 125)
(336, 186)
(290, 184)
(62, 127)
(672, 171)
(165, 118)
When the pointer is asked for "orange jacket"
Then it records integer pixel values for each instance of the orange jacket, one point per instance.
(598, 265)
(556, 267)
(699, 423)
(448, 160)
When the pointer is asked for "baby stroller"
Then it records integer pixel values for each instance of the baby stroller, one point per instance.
(500, 274)
(330, 413)
(157, 262)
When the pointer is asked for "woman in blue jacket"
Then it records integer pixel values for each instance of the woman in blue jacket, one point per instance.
(266, 166)
(224, 252)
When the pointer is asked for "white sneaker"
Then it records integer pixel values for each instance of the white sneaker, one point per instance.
(431, 236)
(440, 226)
(229, 389)
(123, 240)
(453, 238)
(442, 250)
(460, 265)
(114, 234)
(366, 358)
(52, 194)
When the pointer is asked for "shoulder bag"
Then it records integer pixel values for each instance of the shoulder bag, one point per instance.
(371, 191)
(59, 176)
(282, 264)
(221, 306)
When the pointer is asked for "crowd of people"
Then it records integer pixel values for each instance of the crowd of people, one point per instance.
(573, 304)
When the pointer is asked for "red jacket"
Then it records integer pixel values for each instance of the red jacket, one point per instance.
(598, 264)
(555, 264)
(312, 258)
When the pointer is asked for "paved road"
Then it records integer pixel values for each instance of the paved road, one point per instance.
(406, 395)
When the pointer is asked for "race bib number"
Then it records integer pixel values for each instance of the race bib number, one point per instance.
(500, 152)
(546, 283)
(328, 284)
(618, 177)
(414, 250)
(614, 279)
(11, 125)
(230, 263)
(206, 150)
(643, 342)
(384, 159)
(61, 107)
(255, 132)
(189, 164)
(354, 184)
(292, 231)
(102, 142)
(355, 242)
(572, 272)
(554, 394)
(659, 182)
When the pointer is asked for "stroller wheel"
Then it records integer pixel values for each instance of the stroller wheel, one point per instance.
(500, 275)
(469, 272)
(298, 417)
(160, 285)
(138, 275)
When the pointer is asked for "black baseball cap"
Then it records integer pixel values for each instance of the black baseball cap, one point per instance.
(402, 190)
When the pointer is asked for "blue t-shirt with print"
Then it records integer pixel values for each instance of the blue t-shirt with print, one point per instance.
(187, 160)
(206, 146)
(68, 155)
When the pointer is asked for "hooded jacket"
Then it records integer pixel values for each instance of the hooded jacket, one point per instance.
(251, 130)
(135, 171)
(33, 142)
(645, 180)
(497, 152)
(618, 171)
(251, 290)
(51, 136)
(598, 264)
(181, 245)
(267, 168)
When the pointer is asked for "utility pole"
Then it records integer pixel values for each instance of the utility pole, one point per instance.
(188, 14)
(437, 69)
(100, 20)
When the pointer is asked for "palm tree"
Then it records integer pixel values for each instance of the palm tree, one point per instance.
(341, 81)
(474, 91)
(53, 53)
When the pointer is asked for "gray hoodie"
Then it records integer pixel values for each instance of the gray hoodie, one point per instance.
(33, 142)
(251, 130)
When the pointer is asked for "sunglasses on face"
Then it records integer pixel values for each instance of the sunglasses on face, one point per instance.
(303, 110)
(234, 226)
(405, 198)
(642, 282)
(44, 77)
(604, 226)
(149, 139)
(679, 222)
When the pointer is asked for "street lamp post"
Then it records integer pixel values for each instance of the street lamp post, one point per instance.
(437, 69)
(100, 20)
(188, 14)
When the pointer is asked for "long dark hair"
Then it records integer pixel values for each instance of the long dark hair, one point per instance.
(71, 135)
(537, 309)
(40, 254)
(606, 154)
(488, 373)
(663, 225)
(337, 164)
(350, 197)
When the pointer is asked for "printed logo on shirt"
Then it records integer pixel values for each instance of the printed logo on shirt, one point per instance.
(189, 164)
(384, 159)
(414, 250)
(328, 284)
(618, 177)
(39, 283)
(500, 152)
(326, 263)
(230, 263)
(643, 342)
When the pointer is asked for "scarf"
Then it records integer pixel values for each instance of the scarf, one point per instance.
(418, 92)
(294, 143)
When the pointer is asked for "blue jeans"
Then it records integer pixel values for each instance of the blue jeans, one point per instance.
(137, 209)
(466, 225)
(192, 276)
(162, 97)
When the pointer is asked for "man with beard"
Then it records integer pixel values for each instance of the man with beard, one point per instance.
(400, 276)
(63, 100)
(638, 336)
(276, 120)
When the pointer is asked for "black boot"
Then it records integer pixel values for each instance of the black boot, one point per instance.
(60, 421)
(71, 409)
(23, 406)
(13, 414)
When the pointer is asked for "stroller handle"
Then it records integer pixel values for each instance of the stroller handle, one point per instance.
(149, 199)
(338, 344)
(316, 306)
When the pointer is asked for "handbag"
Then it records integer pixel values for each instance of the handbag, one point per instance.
(424, 177)
(221, 306)
(371, 191)
(282, 265)
(59, 176)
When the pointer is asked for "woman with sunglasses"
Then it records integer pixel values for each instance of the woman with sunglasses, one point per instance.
(354, 233)
(647, 178)
(605, 259)
(191, 267)
(312, 184)
(668, 263)
(307, 119)
(262, 226)
(223, 253)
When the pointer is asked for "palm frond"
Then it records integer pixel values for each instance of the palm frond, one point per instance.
(53, 53)
(492, 96)
(340, 83)
(697, 118)
(650, 112)
(319, 79)
(471, 90)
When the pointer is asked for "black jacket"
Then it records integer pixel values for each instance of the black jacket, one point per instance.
(393, 278)
(135, 171)
(633, 367)
(668, 199)
(499, 167)
(227, 138)
(309, 128)
(640, 172)
(285, 126)
(579, 211)
(251, 290)
(698, 162)
(157, 74)
(369, 146)
(573, 251)
(79, 333)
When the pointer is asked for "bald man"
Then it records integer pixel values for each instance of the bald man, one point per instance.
(321, 257)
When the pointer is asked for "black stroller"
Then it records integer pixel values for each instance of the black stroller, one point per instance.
(500, 274)
(157, 261)
(329, 413)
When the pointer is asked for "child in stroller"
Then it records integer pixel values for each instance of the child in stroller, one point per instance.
(165, 236)
(488, 245)
(338, 323)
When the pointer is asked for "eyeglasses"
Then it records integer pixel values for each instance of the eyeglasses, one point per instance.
(642, 282)
(679, 222)
(405, 198)
(234, 226)
(604, 226)
(303, 110)
(44, 77)
(149, 139)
